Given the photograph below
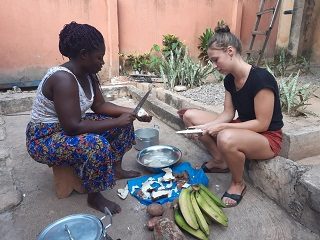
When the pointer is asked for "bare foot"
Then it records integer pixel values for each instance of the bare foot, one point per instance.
(235, 188)
(123, 174)
(99, 202)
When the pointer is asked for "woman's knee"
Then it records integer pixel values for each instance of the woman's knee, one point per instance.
(226, 140)
(189, 115)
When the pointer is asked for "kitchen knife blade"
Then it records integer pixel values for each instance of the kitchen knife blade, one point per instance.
(136, 110)
(191, 131)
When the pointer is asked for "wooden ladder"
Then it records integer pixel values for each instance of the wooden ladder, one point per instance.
(274, 10)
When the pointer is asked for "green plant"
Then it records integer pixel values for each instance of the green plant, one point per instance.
(294, 96)
(203, 45)
(155, 59)
(180, 69)
(303, 63)
(281, 62)
(171, 43)
(139, 62)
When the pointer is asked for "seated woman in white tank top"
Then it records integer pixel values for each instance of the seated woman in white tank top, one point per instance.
(61, 133)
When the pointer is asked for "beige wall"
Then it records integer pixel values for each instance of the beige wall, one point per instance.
(143, 23)
(250, 8)
(315, 54)
(284, 24)
(30, 29)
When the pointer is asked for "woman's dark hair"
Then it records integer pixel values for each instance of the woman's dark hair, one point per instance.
(75, 37)
(223, 38)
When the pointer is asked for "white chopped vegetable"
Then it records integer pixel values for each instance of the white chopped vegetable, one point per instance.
(123, 192)
(168, 176)
(134, 188)
(142, 112)
(186, 185)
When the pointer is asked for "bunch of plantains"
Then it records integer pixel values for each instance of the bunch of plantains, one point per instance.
(198, 206)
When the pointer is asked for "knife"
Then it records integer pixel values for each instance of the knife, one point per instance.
(136, 110)
(191, 131)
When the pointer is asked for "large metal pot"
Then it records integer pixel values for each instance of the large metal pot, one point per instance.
(77, 227)
(146, 137)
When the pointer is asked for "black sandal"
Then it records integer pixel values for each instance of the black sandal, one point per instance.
(214, 169)
(235, 197)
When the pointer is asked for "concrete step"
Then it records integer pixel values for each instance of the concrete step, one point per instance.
(315, 160)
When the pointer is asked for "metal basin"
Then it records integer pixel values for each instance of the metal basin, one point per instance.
(155, 158)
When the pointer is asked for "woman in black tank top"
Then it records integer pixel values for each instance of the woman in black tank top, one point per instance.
(256, 133)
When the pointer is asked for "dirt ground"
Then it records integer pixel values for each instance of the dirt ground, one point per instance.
(257, 217)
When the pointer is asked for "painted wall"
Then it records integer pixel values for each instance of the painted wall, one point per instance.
(250, 8)
(284, 24)
(30, 34)
(30, 28)
(143, 23)
(315, 54)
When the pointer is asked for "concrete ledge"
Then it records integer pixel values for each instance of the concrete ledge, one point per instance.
(295, 188)
(14, 103)
(159, 109)
(9, 195)
(308, 190)
(301, 143)
(114, 92)
(4, 155)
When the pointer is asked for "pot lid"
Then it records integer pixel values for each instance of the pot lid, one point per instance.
(75, 227)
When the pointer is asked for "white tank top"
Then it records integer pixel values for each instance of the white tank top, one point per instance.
(43, 110)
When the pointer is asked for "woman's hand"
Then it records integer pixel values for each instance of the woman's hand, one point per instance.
(144, 118)
(126, 118)
(212, 129)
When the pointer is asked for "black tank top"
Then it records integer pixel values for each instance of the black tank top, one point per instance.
(243, 99)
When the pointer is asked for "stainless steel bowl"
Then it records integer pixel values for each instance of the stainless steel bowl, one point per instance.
(155, 158)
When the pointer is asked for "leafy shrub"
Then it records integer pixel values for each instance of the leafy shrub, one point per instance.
(139, 62)
(294, 95)
(280, 63)
(170, 44)
(283, 63)
(150, 62)
(203, 45)
(180, 69)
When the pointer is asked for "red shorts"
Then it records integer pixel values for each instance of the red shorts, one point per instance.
(274, 138)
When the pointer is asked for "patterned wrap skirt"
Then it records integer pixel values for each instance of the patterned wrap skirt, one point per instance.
(92, 155)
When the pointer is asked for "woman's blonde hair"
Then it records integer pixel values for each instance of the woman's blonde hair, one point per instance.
(223, 38)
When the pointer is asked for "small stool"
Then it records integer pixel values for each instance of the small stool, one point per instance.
(66, 181)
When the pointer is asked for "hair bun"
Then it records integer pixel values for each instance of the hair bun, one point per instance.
(222, 28)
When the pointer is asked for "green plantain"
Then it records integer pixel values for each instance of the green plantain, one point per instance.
(187, 209)
(182, 224)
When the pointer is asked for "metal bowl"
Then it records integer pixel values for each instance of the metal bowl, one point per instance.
(156, 157)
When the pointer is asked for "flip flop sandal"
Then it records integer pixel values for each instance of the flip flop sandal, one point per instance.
(214, 169)
(235, 197)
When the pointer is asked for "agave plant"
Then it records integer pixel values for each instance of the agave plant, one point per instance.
(294, 96)
(180, 69)
(203, 45)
